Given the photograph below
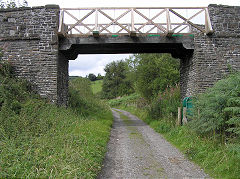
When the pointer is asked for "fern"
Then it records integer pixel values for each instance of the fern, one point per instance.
(219, 108)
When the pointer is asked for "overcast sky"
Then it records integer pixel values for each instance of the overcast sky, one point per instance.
(86, 64)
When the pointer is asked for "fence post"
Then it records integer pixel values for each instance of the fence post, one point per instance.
(198, 116)
(179, 120)
(184, 120)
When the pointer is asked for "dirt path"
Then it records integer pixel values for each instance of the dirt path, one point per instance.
(136, 151)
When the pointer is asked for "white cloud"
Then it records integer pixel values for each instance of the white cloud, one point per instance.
(95, 64)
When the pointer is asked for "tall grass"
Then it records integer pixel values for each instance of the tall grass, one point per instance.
(41, 140)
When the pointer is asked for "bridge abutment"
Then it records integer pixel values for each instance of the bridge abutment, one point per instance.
(29, 41)
(215, 55)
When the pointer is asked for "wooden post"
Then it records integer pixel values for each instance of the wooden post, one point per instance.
(96, 20)
(184, 120)
(179, 121)
(208, 26)
(169, 27)
(132, 20)
(198, 114)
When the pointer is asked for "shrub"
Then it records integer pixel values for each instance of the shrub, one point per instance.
(81, 98)
(219, 109)
(166, 104)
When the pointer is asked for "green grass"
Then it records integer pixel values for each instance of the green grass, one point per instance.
(73, 147)
(218, 160)
(40, 140)
(125, 100)
(96, 86)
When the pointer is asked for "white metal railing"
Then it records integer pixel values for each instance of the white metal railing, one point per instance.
(133, 21)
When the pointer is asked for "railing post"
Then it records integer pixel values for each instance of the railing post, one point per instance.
(133, 32)
(169, 27)
(61, 26)
(208, 25)
(96, 20)
(132, 20)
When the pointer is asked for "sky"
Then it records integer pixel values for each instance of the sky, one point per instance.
(86, 64)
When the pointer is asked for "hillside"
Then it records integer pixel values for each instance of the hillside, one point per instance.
(41, 140)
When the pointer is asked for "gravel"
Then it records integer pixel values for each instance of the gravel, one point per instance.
(136, 151)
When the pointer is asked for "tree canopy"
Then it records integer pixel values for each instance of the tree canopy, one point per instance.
(13, 4)
(147, 74)
(115, 82)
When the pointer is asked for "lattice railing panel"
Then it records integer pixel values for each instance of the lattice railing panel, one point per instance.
(142, 21)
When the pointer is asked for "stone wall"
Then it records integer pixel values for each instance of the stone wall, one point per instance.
(28, 39)
(215, 55)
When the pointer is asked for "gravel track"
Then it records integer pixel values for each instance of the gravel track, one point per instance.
(136, 151)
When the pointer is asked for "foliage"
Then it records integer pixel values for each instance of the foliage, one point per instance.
(92, 77)
(81, 98)
(100, 77)
(125, 100)
(13, 4)
(219, 109)
(41, 140)
(165, 105)
(154, 73)
(115, 82)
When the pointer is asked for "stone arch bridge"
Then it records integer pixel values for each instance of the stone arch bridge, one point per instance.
(40, 41)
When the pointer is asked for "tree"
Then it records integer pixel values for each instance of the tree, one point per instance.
(100, 77)
(13, 4)
(92, 77)
(154, 73)
(115, 82)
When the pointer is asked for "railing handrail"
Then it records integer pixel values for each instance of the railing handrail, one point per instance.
(112, 8)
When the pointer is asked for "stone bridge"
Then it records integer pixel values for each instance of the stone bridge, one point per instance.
(39, 44)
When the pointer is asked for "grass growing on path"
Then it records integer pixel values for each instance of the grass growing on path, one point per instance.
(96, 86)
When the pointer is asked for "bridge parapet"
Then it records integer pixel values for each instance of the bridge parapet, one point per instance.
(134, 21)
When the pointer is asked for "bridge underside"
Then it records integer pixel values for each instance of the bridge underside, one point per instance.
(179, 47)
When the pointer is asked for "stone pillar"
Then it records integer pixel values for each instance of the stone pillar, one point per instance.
(62, 80)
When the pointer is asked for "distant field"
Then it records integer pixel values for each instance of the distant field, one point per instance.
(96, 86)
(73, 77)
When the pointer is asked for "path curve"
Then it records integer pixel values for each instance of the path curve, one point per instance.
(136, 151)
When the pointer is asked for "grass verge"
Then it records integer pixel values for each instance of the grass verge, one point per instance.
(40, 140)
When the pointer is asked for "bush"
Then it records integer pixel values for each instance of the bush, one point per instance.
(166, 104)
(81, 98)
(219, 109)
